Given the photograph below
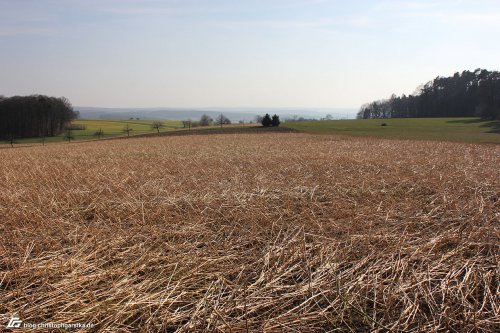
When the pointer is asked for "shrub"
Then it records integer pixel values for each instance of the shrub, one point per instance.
(267, 121)
(275, 121)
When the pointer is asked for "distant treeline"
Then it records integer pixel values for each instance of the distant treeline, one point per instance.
(34, 116)
(469, 94)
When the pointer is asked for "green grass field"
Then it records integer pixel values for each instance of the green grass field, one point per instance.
(114, 127)
(110, 127)
(442, 129)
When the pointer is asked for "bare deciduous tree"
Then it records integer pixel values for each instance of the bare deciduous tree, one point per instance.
(205, 120)
(11, 139)
(99, 133)
(157, 125)
(222, 120)
(68, 135)
(127, 129)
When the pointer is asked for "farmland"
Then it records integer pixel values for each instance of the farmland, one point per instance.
(439, 129)
(272, 232)
(472, 130)
(110, 127)
(114, 127)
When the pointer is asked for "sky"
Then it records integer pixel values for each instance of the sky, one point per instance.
(240, 53)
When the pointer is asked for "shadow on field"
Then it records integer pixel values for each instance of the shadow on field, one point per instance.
(466, 121)
(494, 125)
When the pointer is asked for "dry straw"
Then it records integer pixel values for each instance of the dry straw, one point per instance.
(244, 233)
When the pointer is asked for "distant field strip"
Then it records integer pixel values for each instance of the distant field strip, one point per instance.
(471, 130)
(439, 129)
(269, 232)
(114, 127)
(110, 127)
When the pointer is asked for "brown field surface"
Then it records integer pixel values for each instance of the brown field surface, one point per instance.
(272, 232)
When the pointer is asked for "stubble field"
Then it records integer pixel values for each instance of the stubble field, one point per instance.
(246, 232)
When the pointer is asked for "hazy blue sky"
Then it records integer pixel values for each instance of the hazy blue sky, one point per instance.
(277, 53)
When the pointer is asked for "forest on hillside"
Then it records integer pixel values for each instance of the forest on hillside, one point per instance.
(34, 116)
(466, 94)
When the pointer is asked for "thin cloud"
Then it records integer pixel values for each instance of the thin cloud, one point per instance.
(19, 31)
(452, 12)
(15, 21)
(457, 18)
(142, 7)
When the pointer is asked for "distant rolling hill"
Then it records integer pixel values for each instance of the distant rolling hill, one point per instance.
(234, 114)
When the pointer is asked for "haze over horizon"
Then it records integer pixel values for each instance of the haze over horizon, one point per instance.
(275, 53)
